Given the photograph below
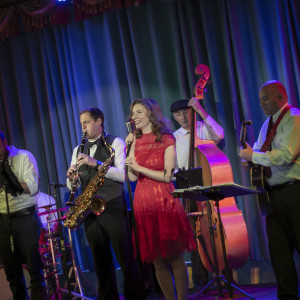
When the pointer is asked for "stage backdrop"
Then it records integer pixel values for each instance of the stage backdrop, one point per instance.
(47, 77)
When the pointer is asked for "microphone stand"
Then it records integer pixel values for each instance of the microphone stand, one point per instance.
(132, 213)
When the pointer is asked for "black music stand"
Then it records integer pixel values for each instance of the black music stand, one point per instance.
(217, 193)
(9, 180)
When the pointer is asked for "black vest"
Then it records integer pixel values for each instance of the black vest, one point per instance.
(110, 189)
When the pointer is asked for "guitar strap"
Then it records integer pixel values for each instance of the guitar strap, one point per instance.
(273, 130)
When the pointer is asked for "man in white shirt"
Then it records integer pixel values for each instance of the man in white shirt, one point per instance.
(19, 223)
(112, 226)
(207, 129)
(283, 158)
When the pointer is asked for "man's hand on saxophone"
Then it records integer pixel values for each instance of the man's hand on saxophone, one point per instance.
(72, 172)
(84, 159)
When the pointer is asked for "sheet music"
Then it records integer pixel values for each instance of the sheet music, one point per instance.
(229, 189)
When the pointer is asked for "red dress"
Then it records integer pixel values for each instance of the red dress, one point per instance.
(163, 229)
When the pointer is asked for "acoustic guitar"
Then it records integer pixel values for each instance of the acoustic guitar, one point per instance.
(256, 174)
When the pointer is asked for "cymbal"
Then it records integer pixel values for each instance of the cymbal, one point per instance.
(47, 207)
(51, 211)
(62, 219)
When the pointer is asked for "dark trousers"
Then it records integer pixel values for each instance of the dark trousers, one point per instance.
(283, 230)
(26, 231)
(112, 228)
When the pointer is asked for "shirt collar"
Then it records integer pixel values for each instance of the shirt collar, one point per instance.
(277, 114)
(93, 140)
(183, 131)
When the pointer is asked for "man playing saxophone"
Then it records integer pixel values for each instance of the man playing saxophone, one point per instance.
(112, 226)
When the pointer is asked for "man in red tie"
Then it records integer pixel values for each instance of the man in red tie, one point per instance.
(279, 149)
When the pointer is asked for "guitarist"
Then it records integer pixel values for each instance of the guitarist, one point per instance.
(282, 156)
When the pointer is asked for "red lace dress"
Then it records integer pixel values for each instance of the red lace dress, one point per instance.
(163, 229)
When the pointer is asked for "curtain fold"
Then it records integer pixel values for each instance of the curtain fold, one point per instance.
(48, 76)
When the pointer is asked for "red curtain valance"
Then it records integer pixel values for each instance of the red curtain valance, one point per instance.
(36, 14)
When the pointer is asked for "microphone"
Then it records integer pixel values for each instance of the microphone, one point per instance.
(131, 129)
(57, 184)
(130, 126)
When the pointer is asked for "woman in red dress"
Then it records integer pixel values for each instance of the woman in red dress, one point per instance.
(163, 230)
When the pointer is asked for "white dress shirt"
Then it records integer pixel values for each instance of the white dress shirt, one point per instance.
(24, 166)
(284, 158)
(206, 130)
(116, 172)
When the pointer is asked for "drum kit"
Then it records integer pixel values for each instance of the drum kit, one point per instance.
(49, 248)
(49, 237)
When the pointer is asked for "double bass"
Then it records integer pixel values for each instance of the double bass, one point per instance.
(216, 169)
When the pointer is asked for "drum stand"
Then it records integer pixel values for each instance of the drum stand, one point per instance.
(55, 295)
(58, 291)
(68, 291)
(77, 271)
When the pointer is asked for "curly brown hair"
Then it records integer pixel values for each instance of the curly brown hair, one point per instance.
(160, 125)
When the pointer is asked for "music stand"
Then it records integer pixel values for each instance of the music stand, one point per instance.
(217, 193)
(9, 180)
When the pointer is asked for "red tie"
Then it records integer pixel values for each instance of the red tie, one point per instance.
(267, 170)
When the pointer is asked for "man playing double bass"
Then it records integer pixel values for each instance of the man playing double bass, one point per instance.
(207, 129)
(279, 150)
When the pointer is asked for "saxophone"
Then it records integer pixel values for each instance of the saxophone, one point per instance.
(86, 203)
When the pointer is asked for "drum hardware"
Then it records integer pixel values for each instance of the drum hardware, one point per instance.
(53, 263)
(77, 273)
(46, 207)
(50, 250)
(61, 219)
(47, 212)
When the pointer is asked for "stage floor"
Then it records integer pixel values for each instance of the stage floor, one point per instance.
(260, 292)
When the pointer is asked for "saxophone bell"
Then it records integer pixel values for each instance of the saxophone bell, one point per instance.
(98, 205)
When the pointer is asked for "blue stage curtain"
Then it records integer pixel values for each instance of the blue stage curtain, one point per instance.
(47, 77)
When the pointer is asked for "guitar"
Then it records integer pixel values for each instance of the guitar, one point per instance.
(257, 175)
